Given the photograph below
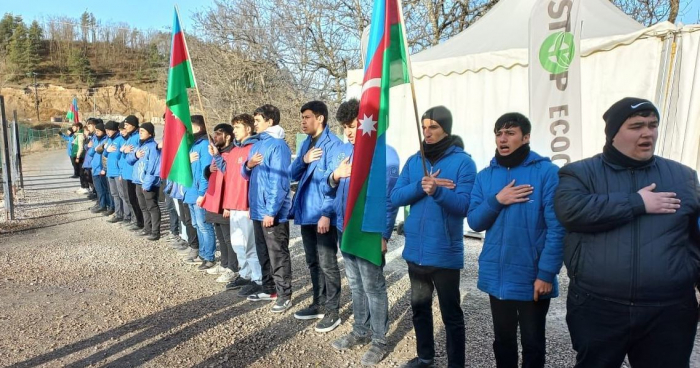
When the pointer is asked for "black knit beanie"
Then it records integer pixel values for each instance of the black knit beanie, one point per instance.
(132, 120)
(618, 113)
(149, 128)
(442, 116)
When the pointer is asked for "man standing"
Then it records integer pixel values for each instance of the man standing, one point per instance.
(267, 168)
(249, 278)
(200, 158)
(146, 177)
(99, 171)
(370, 305)
(122, 189)
(131, 125)
(631, 247)
(313, 210)
(111, 151)
(513, 201)
(434, 247)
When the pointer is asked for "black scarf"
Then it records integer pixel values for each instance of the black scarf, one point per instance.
(515, 158)
(615, 157)
(434, 152)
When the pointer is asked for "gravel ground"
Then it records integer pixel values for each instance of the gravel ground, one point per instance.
(76, 291)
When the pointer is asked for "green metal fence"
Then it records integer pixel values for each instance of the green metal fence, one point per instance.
(31, 138)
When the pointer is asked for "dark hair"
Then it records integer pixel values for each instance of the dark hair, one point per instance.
(512, 120)
(226, 128)
(94, 121)
(245, 119)
(318, 108)
(644, 114)
(198, 120)
(348, 111)
(268, 112)
(79, 125)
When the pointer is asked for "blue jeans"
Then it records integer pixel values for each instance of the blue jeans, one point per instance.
(370, 305)
(104, 198)
(205, 233)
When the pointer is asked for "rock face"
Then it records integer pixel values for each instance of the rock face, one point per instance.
(54, 101)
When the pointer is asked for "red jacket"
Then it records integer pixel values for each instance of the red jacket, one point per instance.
(236, 193)
(214, 196)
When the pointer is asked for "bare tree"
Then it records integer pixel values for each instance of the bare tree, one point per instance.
(650, 12)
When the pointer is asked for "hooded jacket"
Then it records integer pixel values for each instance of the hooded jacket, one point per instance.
(199, 182)
(524, 241)
(113, 158)
(236, 193)
(268, 194)
(310, 202)
(96, 157)
(435, 226)
(147, 168)
(127, 169)
(214, 197)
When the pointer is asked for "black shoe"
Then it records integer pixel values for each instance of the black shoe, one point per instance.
(311, 312)
(417, 363)
(206, 265)
(135, 227)
(330, 321)
(115, 219)
(97, 209)
(153, 237)
(74, 176)
(92, 196)
(238, 283)
(250, 289)
(144, 233)
(109, 212)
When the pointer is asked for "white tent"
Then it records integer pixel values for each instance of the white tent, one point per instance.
(482, 73)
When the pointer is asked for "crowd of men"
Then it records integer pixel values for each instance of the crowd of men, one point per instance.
(624, 222)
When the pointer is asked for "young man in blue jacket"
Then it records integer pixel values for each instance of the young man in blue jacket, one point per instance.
(513, 201)
(267, 168)
(370, 305)
(631, 247)
(200, 158)
(131, 124)
(434, 247)
(122, 187)
(111, 151)
(313, 210)
(147, 179)
(99, 171)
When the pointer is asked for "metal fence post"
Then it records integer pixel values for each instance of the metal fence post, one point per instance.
(6, 169)
(18, 150)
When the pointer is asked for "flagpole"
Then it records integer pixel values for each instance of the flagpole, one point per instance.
(413, 87)
(194, 78)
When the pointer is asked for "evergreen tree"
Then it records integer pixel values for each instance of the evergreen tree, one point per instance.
(34, 46)
(17, 51)
(7, 26)
(79, 65)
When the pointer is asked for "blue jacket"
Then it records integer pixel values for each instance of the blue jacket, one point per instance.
(69, 140)
(199, 182)
(89, 151)
(268, 194)
(147, 168)
(113, 158)
(96, 160)
(435, 226)
(524, 241)
(339, 193)
(310, 202)
(174, 190)
(127, 169)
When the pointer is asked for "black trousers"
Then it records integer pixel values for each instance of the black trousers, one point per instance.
(603, 332)
(190, 231)
(172, 215)
(321, 251)
(425, 279)
(76, 165)
(532, 317)
(272, 246)
(148, 201)
(228, 256)
(86, 179)
(136, 213)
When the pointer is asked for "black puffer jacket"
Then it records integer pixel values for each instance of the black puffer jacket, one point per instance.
(616, 251)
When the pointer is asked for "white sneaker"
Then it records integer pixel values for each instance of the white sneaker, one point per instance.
(216, 270)
(217, 254)
(82, 191)
(227, 276)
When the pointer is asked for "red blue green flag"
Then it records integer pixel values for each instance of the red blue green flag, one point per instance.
(72, 114)
(386, 66)
(177, 134)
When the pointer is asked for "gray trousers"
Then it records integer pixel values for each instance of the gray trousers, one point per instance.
(114, 192)
(123, 194)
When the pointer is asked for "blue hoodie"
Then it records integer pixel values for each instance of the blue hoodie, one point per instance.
(127, 169)
(96, 160)
(89, 151)
(147, 168)
(199, 183)
(435, 226)
(310, 202)
(340, 192)
(268, 194)
(524, 241)
(113, 158)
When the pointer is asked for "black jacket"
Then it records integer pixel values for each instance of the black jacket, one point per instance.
(616, 251)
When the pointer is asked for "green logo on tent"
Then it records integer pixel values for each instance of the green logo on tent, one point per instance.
(557, 52)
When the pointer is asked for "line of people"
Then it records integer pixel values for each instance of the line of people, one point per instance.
(624, 222)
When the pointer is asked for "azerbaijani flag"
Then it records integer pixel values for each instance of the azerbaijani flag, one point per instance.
(386, 66)
(72, 114)
(177, 135)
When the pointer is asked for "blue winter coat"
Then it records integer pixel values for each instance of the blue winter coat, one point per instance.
(435, 227)
(147, 168)
(113, 158)
(310, 202)
(339, 193)
(268, 194)
(89, 151)
(69, 140)
(174, 190)
(199, 182)
(127, 168)
(96, 160)
(524, 241)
